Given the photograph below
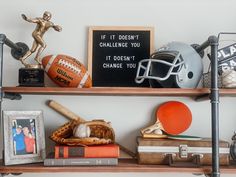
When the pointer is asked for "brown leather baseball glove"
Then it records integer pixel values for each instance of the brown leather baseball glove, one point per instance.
(101, 133)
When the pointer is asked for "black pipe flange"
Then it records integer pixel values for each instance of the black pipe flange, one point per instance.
(17, 54)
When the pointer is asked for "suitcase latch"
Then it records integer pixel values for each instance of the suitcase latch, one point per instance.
(183, 151)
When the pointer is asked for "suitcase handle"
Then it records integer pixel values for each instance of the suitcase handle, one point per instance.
(195, 161)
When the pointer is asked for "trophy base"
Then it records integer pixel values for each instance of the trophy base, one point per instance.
(31, 77)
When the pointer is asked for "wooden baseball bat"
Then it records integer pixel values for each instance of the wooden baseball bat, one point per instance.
(70, 115)
(63, 110)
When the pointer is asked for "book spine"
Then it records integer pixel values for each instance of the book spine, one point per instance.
(107, 151)
(66, 152)
(81, 162)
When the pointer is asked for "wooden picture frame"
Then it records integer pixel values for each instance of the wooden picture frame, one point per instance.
(24, 139)
(105, 43)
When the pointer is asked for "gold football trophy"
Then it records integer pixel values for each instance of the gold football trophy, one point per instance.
(33, 74)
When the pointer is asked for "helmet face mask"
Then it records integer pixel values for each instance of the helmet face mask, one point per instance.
(176, 65)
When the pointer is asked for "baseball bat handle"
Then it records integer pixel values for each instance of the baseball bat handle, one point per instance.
(63, 110)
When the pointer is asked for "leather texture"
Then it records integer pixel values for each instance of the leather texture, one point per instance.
(174, 158)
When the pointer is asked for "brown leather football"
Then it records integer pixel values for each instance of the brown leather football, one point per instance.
(66, 71)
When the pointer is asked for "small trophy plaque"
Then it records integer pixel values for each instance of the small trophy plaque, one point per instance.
(32, 75)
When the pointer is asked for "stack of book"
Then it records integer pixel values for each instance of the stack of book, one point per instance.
(80, 156)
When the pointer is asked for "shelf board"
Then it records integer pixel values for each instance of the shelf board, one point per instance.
(125, 165)
(126, 91)
(119, 91)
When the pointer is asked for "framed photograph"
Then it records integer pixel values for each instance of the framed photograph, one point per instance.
(114, 53)
(24, 139)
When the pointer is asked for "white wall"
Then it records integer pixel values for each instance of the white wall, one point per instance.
(188, 21)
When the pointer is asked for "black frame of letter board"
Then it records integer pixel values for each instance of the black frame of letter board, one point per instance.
(114, 53)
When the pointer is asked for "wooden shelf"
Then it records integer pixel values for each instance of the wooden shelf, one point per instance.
(125, 165)
(122, 91)
(127, 91)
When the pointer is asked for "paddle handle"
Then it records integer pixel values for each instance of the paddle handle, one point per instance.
(63, 110)
(155, 130)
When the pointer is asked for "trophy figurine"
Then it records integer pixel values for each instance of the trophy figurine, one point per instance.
(33, 74)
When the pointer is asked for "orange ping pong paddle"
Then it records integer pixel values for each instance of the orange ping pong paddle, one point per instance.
(173, 118)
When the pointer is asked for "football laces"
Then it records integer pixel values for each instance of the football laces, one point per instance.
(69, 65)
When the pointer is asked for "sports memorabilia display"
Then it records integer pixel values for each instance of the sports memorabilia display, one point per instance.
(175, 65)
(99, 133)
(66, 71)
(81, 142)
(173, 117)
(43, 25)
(33, 74)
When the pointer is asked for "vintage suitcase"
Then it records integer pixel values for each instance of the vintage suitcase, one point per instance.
(179, 152)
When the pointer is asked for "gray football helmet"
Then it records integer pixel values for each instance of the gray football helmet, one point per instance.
(176, 65)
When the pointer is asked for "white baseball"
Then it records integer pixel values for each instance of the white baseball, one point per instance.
(81, 131)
